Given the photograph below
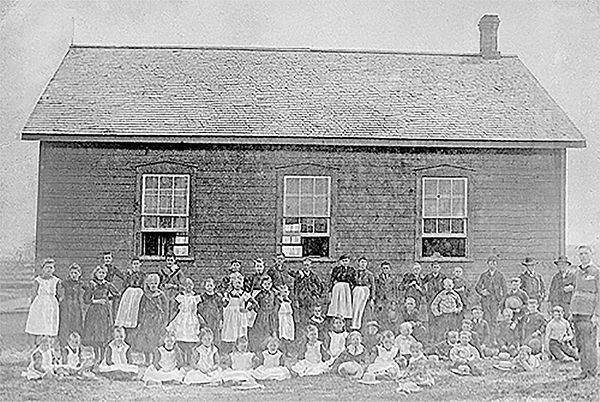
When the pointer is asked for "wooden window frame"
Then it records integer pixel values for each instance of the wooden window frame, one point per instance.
(306, 170)
(445, 172)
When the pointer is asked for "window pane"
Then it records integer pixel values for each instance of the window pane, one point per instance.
(315, 246)
(321, 206)
(429, 226)
(307, 186)
(150, 204)
(149, 222)
(444, 187)
(165, 222)
(165, 205)
(292, 185)
(166, 182)
(458, 226)
(307, 206)
(291, 221)
(180, 206)
(430, 187)
(444, 207)
(307, 225)
(443, 225)
(458, 206)
(151, 182)
(321, 186)
(291, 206)
(458, 188)
(150, 244)
(430, 207)
(447, 247)
(321, 225)
(180, 223)
(181, 183)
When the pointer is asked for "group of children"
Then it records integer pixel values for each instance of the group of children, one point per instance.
(247, 328)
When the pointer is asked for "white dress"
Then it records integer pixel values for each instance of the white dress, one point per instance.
(384, 363)
(43, 312)
(337, 344)
(206, 361)
(313, 363)
(241, 367)
(186, 324)
(235, 322)
(286, 321)
(271, 368)
(47, 365)
(168, 367)
(118, 355)
(129, 308)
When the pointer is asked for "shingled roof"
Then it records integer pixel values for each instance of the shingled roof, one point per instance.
(222, 95)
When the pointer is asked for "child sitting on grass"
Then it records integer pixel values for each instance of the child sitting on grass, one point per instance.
(353, 361)
(314, 355)
(507, 338)
(73, 363)
(206, 368)
(405, 340)
(385, 366)
(240, 363)
(525, 360)
(418, 371)
(116, 358)
(44, 360)
(558, 337)
(442, 349)
(464, 357)
(336, 338)
(372, 337)
(167, 364)
(272, 365)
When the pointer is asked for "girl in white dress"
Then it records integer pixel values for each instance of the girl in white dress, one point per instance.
(272, 366)
(116, 357)
(206, 369)
(314, 355)
(44, 360)
(240, 364)
(167, 363)
(186, 324)
(72, 362)
(336, 338)
(235, 313)
(43, 312)
(287, 327)
(385, 366)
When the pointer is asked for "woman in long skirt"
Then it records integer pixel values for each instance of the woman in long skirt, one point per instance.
(98, 323)
(129, 307)
(71, 313)
(342, 282)
(365, 283)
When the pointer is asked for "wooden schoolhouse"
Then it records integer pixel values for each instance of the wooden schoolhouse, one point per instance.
(223, 153)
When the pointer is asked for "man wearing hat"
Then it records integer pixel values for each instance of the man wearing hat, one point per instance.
(585, 310)
(491, 286)
(531, 281)
(561, 286)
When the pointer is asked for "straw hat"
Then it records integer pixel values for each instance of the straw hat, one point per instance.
(514, 302)
(562, 258)
(463, 369)
(504, 365)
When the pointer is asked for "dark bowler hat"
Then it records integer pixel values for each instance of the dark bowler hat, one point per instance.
(529, 261)
(562, 258)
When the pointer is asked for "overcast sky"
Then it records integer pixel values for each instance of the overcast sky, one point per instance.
(559, 41)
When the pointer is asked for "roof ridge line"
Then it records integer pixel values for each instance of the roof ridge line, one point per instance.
(280, 49)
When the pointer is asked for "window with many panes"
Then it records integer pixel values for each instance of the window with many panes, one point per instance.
(444, 217)
(306, 216)
(165, 214)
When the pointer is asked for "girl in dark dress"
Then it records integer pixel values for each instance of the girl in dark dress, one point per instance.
(172, 282)
(152, 319)
(70, 311)
(267, 315)
(210, 309)
(98, 324)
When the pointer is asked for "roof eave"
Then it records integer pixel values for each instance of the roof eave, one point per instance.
(312, 140)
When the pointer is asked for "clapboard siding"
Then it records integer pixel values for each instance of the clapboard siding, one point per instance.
(88, 202)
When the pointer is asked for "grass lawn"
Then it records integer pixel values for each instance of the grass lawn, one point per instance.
(551, 382)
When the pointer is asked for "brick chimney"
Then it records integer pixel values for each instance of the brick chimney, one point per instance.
(488, 36)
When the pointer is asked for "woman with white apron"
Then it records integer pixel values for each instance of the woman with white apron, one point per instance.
(365, 282)
(342, 282)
